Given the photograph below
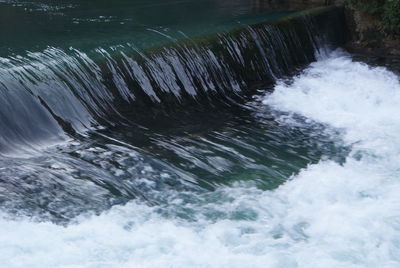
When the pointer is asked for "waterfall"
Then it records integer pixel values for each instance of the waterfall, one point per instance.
(48, 95)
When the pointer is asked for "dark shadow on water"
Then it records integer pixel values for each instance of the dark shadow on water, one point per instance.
(158, 156)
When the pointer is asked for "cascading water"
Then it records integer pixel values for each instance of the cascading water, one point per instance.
(73, 90)
(330, 214)
(146, 153)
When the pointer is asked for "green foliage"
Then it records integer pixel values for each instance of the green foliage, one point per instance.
(387, 12)
(391, 17)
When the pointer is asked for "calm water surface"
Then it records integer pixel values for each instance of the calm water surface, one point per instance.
(86, 25)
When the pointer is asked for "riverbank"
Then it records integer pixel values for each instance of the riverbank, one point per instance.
(373, 26)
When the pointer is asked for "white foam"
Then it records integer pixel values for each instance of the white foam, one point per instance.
(329, 215)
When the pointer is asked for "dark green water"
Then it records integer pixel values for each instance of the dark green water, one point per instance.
(85, 25)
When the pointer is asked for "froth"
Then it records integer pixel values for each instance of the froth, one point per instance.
(328, 215)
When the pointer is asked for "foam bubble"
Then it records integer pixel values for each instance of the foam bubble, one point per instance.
(329, 215)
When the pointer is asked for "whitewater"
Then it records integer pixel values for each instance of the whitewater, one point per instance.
(330, 214)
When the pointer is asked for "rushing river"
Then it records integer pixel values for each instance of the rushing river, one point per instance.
(111, 156)
(332, 213)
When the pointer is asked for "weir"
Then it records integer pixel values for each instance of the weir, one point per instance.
(225, 63)
(47, 93)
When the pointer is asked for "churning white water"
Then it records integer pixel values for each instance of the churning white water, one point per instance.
(328, 215)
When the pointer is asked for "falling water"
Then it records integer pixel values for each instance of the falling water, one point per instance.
(196, 148)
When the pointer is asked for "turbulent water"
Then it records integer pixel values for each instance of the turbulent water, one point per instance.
(330, 214)
(121, 149)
